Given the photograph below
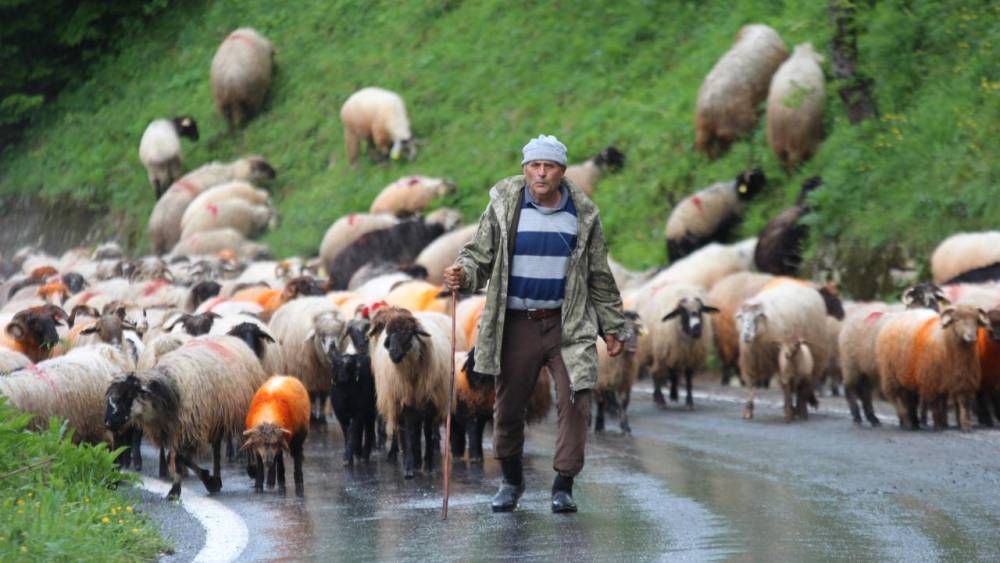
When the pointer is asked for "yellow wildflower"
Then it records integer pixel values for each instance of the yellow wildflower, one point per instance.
(129, 509)
(24, 549)
(105, 520)
(20, 502)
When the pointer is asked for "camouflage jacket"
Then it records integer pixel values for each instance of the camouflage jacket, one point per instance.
(592, 300)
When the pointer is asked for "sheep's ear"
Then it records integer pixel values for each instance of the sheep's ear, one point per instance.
(907, 297)
(983, 320)
(947, 317)
(286, 432)
(266, 336)
(672, 314)
(710, 309)
(89, 330)
(16, 330)
(422, 332)
(310, 335)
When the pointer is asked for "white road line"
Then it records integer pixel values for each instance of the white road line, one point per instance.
(226, 534)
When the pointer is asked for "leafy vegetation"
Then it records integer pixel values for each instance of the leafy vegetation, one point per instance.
(58, 501)
(480, 78)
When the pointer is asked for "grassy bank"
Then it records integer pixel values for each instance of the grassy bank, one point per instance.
(480, 78)
(58, 501)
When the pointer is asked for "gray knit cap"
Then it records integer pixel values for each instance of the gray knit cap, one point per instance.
(545, 147)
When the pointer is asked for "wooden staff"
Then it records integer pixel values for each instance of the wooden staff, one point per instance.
(451, 401)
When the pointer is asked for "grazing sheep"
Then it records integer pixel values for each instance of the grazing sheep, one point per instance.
(164, 228)
(728, 295)
(795, 367)
(410, 194)
(711, 214)
(160, 150)
(728, 98)
(617, 375)
(411, 361)
(308, 328)
(930, 357)
(588, 173)
(278, 421)
(779, 245)
(377, 116)
(246, 218)
(241, 75)
(346, 230)
(401, 243)
(776, 315)
(196, 396)
(32, 332)
(795, 107)
(443, 251)
(217, 241)
(967, 258)
(352, 394)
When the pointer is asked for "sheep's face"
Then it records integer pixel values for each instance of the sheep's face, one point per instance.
(37, 326)
(690, 313)
(268, 441)
(405, 147)
(752, 321)
(402, 337)
(354, 362)
(74, 282)
(325, 336)
(186, 126)
(993, 318)
(634, 327)
(252, 335)
(924, 296)
(964, 322)
(123, 402)
(750, 183)
(203, 291)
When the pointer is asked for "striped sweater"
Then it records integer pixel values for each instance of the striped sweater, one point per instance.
(545, 240)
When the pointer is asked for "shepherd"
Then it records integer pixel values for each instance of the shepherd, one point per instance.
(541, 247)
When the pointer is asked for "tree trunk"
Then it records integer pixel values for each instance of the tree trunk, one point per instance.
(855, 88)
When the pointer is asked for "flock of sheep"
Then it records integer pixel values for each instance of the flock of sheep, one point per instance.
(209, 342)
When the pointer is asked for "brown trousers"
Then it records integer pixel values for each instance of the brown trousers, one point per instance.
(528, 345)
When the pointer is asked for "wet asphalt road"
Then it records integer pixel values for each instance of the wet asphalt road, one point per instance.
(685, 486)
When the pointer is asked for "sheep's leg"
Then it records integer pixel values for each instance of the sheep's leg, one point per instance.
(962, 401)
(851, 394)
(476, 430)
(164, 469)
(923, 412)
(295, 448)
(939, 412)
(380, 435)
(272, 472)
(599, 419)
(214, 484)
(805, 396)
(995, 399)
(393, 448)
(258, 482)
(230, 450)
(748, 407)
(983, 408)
(135, 445)
(432, 439)
(351, 144)
(786, 389)
(674, 377)
(175, 475)
(408, 436)
(727, 375)
(347, 425)
(658, 399)
(689, 400)
(866, 403)
(369, 438)
(279, 462)
(459, 429)
(623, 400)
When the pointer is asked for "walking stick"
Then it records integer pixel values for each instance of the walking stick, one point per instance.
(451, 400)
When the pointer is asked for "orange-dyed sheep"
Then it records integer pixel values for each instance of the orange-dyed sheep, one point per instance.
(278, 421)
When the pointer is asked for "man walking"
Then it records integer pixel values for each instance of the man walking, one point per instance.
(541, 248)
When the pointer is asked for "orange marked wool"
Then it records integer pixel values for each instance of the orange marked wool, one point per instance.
(282, 401)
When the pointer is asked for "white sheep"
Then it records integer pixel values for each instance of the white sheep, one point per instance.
(728, 295)
(588, 173)
(164, 228)
(616, 375)
(779, 314)
(378, 116)
(260, 338)
(442, 253)
(709, 264)
(160, 150)
(241, 74)
(728, 98)
(219, 240)
(11, 360)
(196, 396)
(967, 257)
(795, 367)
(347, 229)
(246, 218)
(710, 214)
(795, 106)
(410, 194)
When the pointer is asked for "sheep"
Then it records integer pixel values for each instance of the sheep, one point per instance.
(588, 173)
(728, 98)
(308, 328)
(710, 214)
(401, 243)
(347, 229)
(373, 270)
(219, 240)
(930, 357)
(616, 376)
(706, 266)
(11, 360)
(236, 189)
(410, 194)
(195, 396)
(352, 393)
(255, 334)
(32, 332)
(967, 258)
(271, 300)
(777, 315)
(448, 218)
(417, 295)
(278, 421)
(795, 107)
(467, 313)
(475, 394)
(70, 386)
(195, 325)
(411, 361)
(378, 116)
(779, 244)
(988, 352)
(160, 150)
(159, 345)
(795, 367)
(443, 251)
(164, 228)
(675, 347)
(728, 295)
(246, 218)
(241, 75)
(627, 279)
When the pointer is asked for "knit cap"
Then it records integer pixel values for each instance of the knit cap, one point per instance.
(545, 147)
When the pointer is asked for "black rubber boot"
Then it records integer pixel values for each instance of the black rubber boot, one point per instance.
(562, 495)
(512, 486)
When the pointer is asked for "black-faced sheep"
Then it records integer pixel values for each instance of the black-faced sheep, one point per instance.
(196, 396)
(402, 242)
(410, 195)
(377, 116)
(160, 150)
(588, 173)
(728, 98)
(931, 358)
(617, 375)
(710, 214)
(352, 393)
(779, 245)
(33, 333)
(795, 107)
(241, 75)
(967, 258)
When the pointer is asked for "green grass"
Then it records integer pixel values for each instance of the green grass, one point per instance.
(58, 502)
(480, 78)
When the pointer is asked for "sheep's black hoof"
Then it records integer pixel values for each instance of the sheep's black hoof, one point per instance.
(475, 459)
(408, 474)
(875, 423)
(252, 471)
(259, 489)
(300, 490)
(626, 429)
(213, 484)
(175, 492)
(658, 400)
(282, 490)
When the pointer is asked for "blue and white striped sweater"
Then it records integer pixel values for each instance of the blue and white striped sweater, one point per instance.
(545, 239)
